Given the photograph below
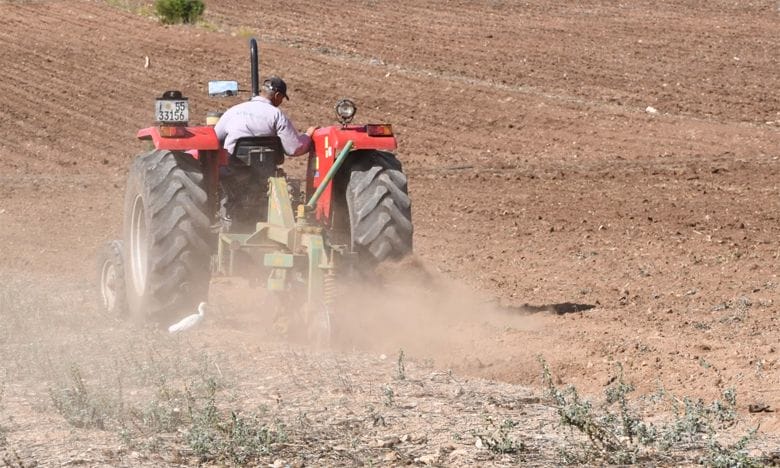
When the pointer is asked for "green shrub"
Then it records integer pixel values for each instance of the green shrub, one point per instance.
(82, 408)
(237, 439)
(615, 432)
(179, 11)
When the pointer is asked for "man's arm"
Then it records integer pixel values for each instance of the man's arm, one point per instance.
(221, 128)
(294, 143)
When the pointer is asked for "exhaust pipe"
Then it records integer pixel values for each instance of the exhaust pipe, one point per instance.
(254, 63)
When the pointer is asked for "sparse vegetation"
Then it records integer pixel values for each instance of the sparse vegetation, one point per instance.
(244, 32)
(389, 395)
(165, 413)
(12, 459)
(401, 374)
(233, 437)
(189, 413)
(161, 396)
(80, 407)
(616, 433)
(179, 11)
(3, 429)
(208, 26)
(497, 437)
(139, 7)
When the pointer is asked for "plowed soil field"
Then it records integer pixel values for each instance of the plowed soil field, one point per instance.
(594, 183)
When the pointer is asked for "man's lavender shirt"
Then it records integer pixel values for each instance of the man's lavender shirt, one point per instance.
(259, 117)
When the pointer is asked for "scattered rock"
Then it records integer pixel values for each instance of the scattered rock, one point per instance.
(446, 449)
(651, 110)
(760, 408)
(74, 462)
(428, 459)
(389, 442)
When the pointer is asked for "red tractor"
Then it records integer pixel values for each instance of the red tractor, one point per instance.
(193, 212)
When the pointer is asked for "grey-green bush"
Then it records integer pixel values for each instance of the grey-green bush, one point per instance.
(179, 11)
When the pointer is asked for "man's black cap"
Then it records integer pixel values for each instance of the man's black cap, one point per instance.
(274, 83)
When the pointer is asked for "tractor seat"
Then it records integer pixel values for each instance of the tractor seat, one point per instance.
(259, 151)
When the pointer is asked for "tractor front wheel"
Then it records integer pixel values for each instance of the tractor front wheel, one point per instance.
(111, 277)
(167, 246)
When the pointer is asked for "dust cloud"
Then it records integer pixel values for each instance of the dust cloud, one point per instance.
(404, 307)
(426, 315)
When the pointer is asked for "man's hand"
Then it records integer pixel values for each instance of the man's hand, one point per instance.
(310, 130)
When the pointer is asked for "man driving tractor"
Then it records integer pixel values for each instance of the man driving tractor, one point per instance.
(261, 116)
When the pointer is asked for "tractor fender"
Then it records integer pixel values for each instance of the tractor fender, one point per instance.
(327, 143)
(186, 139)
(336, 137)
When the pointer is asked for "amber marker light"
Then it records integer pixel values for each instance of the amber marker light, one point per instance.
(379, 130)
(169, 131)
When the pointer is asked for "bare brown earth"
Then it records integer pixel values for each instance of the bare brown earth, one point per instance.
(539, 179)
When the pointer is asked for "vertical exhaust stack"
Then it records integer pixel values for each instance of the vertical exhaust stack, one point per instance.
(254, 63)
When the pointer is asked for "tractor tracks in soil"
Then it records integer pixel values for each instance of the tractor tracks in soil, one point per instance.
(659, 165)
(529, 51)
(559, 98)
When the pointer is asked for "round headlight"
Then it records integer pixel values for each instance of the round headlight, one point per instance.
(345, 110)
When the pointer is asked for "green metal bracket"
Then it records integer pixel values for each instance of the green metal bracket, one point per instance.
(329, 176)
(280, 211)
(278, 260)
(316, 251)
(277, 280)
(281, 222)
(297, 239)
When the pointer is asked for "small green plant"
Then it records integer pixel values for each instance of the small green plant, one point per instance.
(12, 459)
(2, 407)
(209, 26)
(238, 439)
(145, 10)
(244, 32)
(179, 11)
(401, 366)
(730, 456)
(139, 7)
(389, 395)
(230, 437)
(610, 438)
(166, 413)
(375, 418)
(497, 437)
(81, 408)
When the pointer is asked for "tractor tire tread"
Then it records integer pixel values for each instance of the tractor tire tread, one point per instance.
(379, 208)
(112, 252)
(179, 236)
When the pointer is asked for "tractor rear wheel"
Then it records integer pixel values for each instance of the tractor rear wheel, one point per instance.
(167, 234)
(111, 277)
(379, 208)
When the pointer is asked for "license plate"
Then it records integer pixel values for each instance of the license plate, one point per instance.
(172, 111)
